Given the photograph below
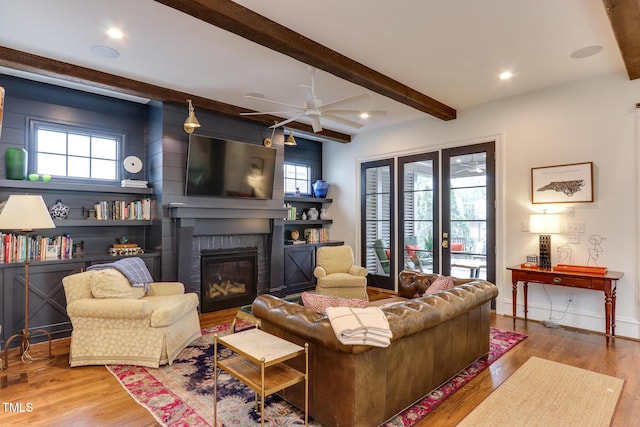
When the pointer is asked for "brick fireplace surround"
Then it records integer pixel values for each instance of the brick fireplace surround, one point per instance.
(202, 228)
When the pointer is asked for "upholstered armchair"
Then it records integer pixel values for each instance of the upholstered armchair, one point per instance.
(115, 323)
(337, 275)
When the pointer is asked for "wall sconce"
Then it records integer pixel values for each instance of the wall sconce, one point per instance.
(544, 224)
(290, 139)
(191, 123)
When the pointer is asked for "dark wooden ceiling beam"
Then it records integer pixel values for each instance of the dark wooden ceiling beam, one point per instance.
(624, 16)
(244, 22)
(40, 65)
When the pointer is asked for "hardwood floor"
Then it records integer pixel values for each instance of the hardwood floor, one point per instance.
(91, 396)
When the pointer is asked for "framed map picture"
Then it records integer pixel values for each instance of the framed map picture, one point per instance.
(572, 183)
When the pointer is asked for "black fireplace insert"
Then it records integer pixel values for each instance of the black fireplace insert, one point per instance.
(228, 278)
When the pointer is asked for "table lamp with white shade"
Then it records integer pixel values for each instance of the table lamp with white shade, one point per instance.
(25, 213)
(545, 224)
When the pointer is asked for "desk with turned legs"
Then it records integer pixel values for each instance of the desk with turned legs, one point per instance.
(606, 283)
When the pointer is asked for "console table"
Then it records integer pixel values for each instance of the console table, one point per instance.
(599, 282)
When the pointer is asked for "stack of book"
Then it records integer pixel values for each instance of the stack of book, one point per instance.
(123, 249)
(133, 183)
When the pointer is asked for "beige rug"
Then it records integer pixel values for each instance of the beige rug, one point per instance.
(545, 393)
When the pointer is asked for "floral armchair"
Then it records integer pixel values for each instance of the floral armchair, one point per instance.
(115, 323)
(337, 275)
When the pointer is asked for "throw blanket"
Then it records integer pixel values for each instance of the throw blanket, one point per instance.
(364, 326)
(134, 269)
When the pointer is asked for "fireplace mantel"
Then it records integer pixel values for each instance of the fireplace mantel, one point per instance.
(192, 211)
(232, 218)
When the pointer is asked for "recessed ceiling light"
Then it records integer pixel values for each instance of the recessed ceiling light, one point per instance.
(364, 115)
(115, 33)
(586, 52)
(506, 75)
(104, 51)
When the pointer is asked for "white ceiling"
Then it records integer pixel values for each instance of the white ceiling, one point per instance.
(449, 50)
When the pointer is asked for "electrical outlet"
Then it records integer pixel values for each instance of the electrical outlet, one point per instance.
(525, 226)
(575, 227)
(571, 298)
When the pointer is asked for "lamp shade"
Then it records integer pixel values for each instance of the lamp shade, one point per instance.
(290, 139)
(192, 122)
(544, 223)
(25, 212)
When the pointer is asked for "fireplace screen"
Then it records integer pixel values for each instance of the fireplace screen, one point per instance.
(228, 278)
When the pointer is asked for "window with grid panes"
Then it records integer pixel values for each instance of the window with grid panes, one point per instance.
(297, 176)
(72, 152)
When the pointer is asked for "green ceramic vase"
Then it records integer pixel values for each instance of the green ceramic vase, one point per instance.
(16, 163)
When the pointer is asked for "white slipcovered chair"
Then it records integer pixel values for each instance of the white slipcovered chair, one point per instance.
(337, 275)
(115, 323)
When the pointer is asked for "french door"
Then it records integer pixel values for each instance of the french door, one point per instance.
(445, 214)
(377, 199)
(467, 238)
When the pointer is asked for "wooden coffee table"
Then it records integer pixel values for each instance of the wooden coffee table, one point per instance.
(259, 365)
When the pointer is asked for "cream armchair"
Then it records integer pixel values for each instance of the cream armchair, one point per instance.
(337, 275)
(114, 323)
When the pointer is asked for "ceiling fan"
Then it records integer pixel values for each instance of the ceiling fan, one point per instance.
(314, 109)
(472, 166)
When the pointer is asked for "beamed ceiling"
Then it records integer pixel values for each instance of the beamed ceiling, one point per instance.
(306, 34)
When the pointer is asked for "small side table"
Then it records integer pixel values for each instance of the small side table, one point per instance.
(259, 365)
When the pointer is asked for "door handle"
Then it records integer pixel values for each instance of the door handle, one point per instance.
(445, 240)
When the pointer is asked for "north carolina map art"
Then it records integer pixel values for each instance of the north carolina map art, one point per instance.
(569, 188)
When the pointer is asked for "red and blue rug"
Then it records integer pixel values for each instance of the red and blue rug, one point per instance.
(182, 394)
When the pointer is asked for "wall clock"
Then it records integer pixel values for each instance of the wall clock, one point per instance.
(267, 142)
(132, 164)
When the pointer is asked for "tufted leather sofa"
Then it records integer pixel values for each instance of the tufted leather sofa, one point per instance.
(434, 337)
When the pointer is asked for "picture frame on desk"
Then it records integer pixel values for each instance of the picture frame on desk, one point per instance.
(569, 183)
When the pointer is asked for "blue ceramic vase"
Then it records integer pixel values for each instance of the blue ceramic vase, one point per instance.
(320, 188)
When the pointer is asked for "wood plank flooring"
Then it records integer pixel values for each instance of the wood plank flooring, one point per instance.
(91, 396)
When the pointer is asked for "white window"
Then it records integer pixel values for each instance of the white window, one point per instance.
(75, 153)
(297, 177)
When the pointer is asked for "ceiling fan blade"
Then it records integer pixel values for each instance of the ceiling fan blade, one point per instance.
(342, 120)
(257, 113)
(330, 105)
(273, 102)
(373, 113)
(284, 122)
(315, 124)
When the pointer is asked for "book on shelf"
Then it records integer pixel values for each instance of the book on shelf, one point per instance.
(133, 183)
(122, 209)
(19, 247)
(295, 242)
(316, 235)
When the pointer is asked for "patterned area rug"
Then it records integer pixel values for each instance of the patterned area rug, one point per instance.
(182, 394)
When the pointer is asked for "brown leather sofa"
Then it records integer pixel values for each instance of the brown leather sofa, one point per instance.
(434, 337)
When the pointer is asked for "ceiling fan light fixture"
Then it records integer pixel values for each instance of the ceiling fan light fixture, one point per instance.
(290, 139)
(192, 122)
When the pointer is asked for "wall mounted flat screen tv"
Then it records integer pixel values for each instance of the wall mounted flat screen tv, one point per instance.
(221, 168)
